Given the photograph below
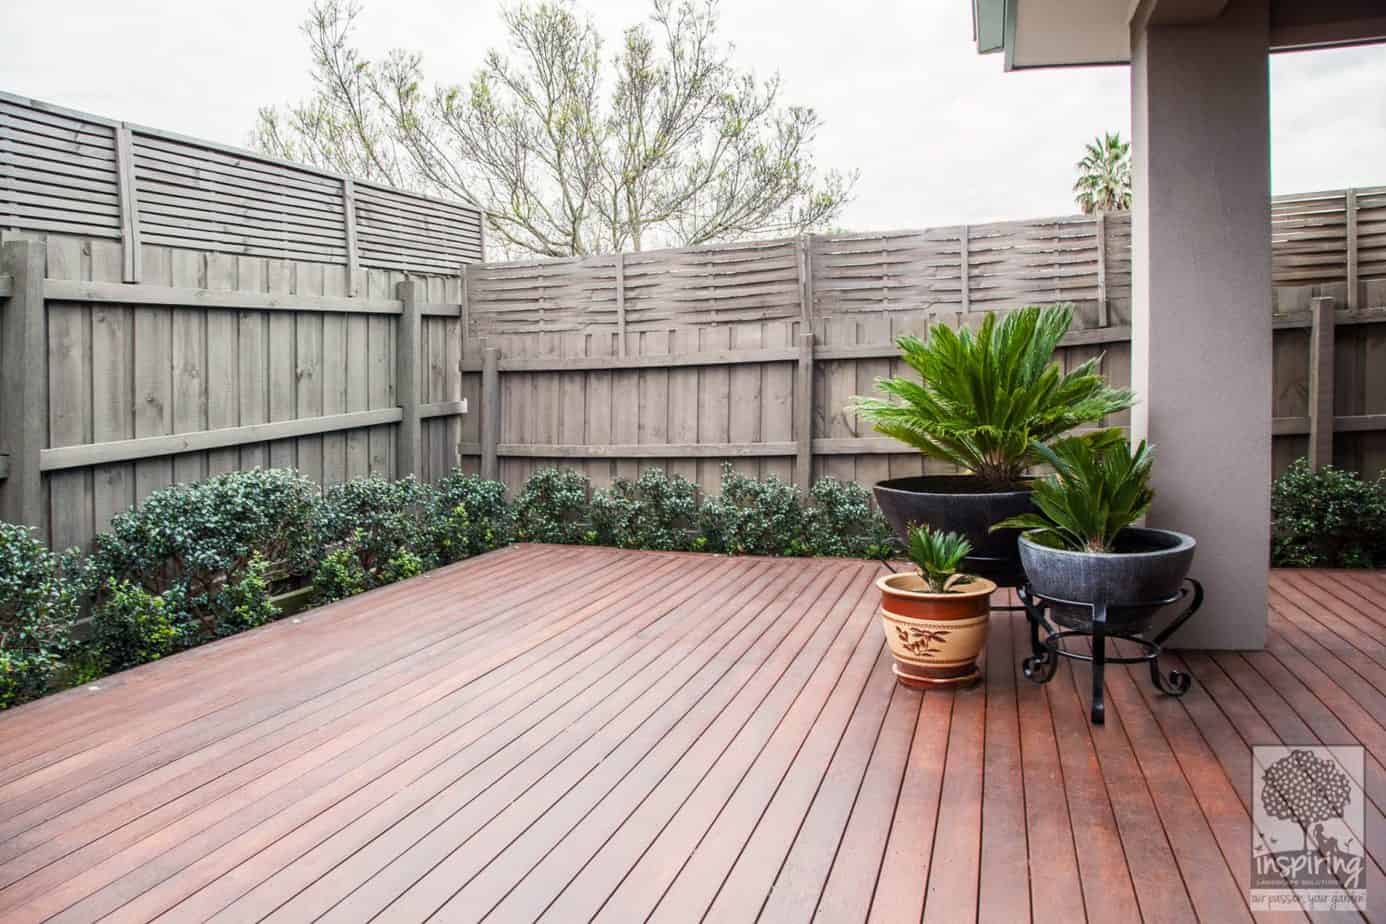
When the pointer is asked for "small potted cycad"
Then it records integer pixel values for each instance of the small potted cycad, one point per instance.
(935, 618)
(1082, 547)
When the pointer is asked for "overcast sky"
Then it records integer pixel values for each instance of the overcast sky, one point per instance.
(940, 134)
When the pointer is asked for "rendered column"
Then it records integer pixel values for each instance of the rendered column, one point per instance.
(1201, 314)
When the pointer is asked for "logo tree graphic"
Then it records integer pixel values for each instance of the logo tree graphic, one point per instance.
(1305, 789)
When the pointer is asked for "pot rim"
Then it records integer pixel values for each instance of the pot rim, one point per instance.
(1184, 543)
(893, 485)
(979, 586)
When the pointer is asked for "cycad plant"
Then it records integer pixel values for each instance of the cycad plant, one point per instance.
(1104, 175)
(938, 555)
(986, 401)
(1098, 489)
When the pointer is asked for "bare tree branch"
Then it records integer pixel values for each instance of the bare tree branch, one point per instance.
(570, 152)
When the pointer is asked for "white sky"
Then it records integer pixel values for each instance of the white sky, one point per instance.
(939, 133)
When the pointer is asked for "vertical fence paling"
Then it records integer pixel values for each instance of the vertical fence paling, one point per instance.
(490, 413)
(1321, 347)
(24, 380)
(409, 436)
(803, 374)
(803, 414)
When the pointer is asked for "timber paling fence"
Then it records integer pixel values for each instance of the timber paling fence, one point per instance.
(749, 353)
(172, 309)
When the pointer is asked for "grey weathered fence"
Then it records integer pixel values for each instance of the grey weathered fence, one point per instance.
(748, 353)
(171, 309)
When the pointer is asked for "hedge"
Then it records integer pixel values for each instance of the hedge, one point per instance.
(196, 562)
(1329, 518)
(201, 561)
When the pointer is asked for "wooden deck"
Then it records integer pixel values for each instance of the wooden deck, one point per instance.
(569, 734)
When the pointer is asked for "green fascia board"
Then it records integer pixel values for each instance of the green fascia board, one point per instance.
(989, 23)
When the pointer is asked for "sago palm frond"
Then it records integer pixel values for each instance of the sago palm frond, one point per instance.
(985, 400)
(937, 555)
(1099, 487)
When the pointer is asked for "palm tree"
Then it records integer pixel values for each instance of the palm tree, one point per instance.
(1104, 175)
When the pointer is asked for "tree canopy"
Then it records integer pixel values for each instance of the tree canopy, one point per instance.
(569, 150)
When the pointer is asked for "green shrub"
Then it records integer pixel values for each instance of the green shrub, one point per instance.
(753, 517)
(842, 522)
(552, 507)
(339, 575)
(196, 546)
(39, 601)
(133, 626)
(403, 565)
(652, 512)
(247, 600)
(469, 516)
(362, 527)
(1328, 518)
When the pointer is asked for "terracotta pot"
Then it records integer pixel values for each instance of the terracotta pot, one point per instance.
(935, 638)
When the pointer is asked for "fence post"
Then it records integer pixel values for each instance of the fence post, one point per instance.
(129, 205)
(24, 385)
(1103, 312)
(409, 454)
(349, 226)
(1350, 203)
(964, 280)
(1321, 383)
(803, 414)
(490, 413)
(620, 304)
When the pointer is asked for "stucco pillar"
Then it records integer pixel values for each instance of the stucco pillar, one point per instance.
(1201, 314)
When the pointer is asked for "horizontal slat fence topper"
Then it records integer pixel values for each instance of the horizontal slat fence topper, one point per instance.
(57, 172)
(748, 353)
(76, 173)
(171, 309)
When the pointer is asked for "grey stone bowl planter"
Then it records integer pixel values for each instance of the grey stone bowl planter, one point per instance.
(1149, 564)
(960, 504)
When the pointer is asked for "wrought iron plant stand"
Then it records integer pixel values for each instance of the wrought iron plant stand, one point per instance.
(1047, 640)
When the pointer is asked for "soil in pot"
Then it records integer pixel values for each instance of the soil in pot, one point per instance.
(961, 504)
(934, 638)
(1146, 564)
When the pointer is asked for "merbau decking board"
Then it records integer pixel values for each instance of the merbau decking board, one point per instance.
(570, 734)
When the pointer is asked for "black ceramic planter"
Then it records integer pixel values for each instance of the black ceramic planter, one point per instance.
(960, 504)
(1149, 564)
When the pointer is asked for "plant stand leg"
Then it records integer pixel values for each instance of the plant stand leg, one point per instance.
(1175, 683)
(1041, 664)
(1099, 661)
(1033, 615)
